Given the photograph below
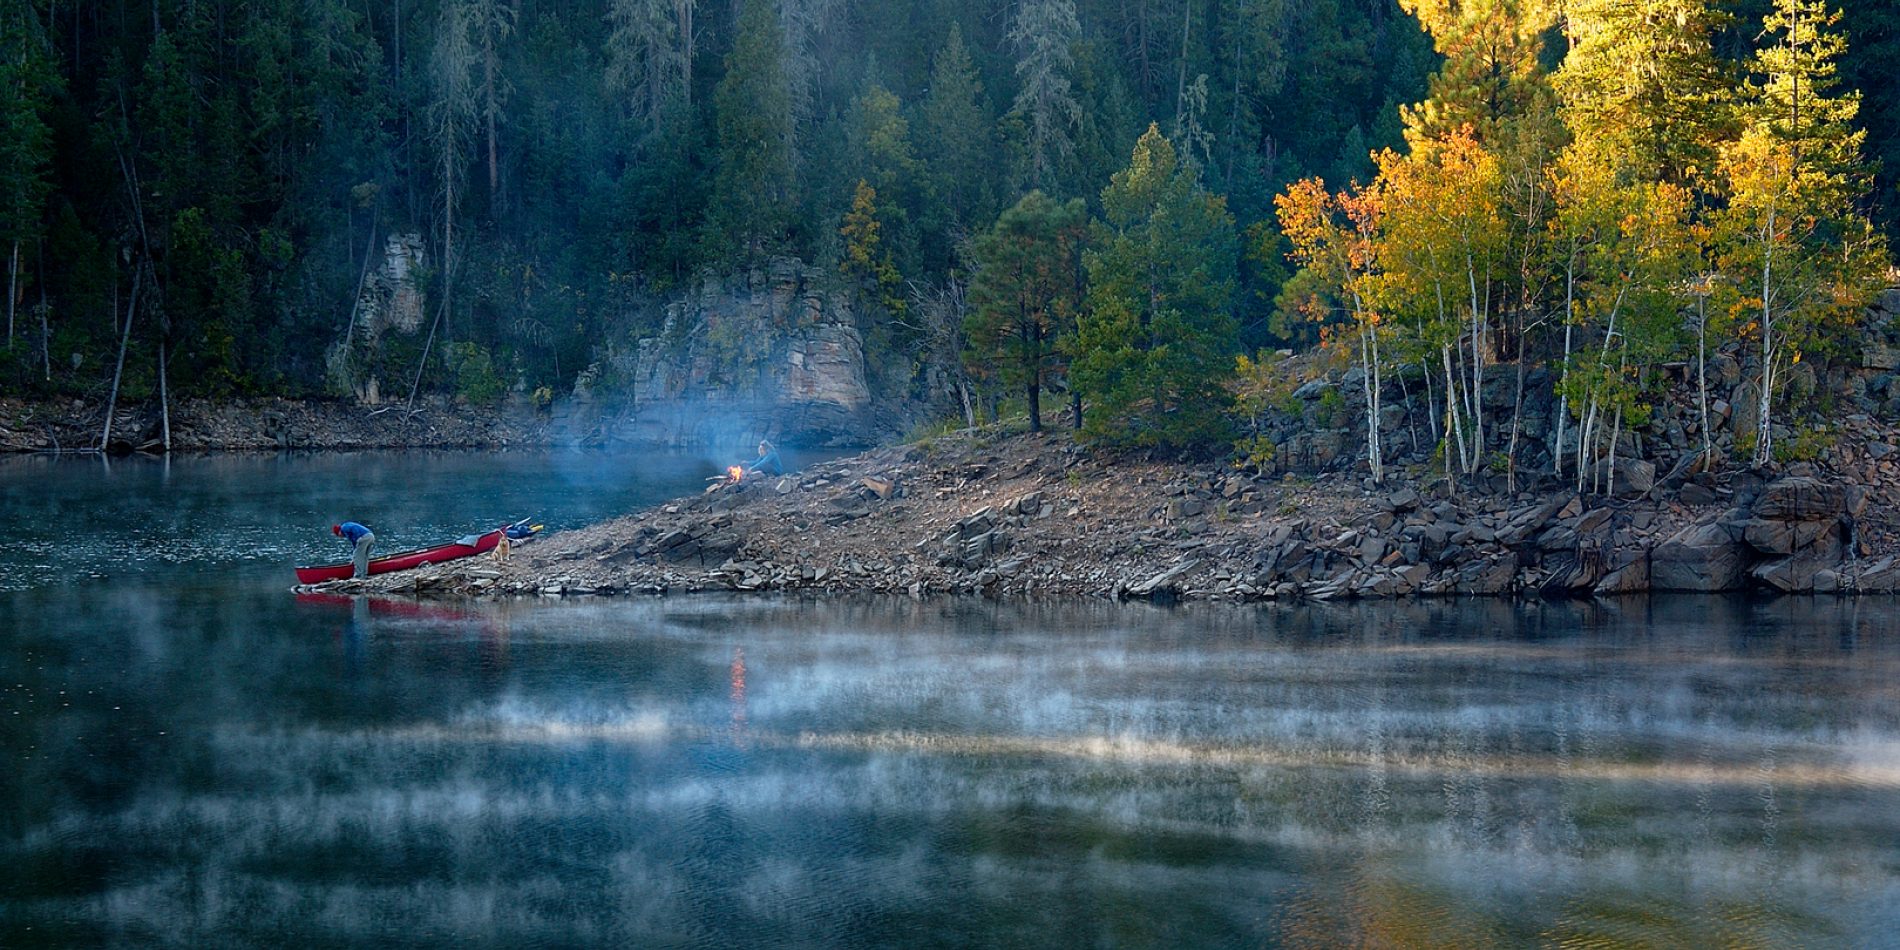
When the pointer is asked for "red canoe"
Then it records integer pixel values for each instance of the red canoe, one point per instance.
(404, 561)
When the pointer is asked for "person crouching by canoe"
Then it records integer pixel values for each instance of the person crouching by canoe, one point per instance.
(359, 536)
(767, 461)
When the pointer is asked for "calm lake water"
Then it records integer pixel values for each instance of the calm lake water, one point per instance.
(194, 756)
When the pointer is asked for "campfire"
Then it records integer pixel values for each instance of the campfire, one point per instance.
(735, 474)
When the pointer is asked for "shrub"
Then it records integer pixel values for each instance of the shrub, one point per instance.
(476, 381)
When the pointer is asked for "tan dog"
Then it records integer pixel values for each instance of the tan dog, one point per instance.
(501, 548)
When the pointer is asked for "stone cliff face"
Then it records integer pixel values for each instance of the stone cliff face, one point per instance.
(767, 354)
(389, 301)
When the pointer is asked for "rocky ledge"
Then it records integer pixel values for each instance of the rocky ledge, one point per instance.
(1035, 515)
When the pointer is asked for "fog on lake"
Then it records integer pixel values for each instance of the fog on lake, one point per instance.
(197, 756)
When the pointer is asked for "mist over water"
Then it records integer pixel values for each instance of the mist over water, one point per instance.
(198, 757)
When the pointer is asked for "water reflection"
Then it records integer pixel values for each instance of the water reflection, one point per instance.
(91, 518)
(209, 765)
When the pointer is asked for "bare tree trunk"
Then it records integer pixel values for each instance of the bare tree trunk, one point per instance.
(683, 15)
(1454, 428)
(1764, 427)
(369, 254)
(118, 372)
(427, 345)
(1478, 324)
(1141, 34)
(1563, 399)
(1369, 355)
(488, 93)
(13, 289)
(1517, 412)
(164, 400)
(1609, 465)
(46, 335)
(1702, 378)
(1586, 430)
(1180, 87)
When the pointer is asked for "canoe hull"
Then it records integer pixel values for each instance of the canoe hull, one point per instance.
(403, 561)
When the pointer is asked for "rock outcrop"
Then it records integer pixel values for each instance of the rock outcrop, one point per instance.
(770, 354)
(1798, 525)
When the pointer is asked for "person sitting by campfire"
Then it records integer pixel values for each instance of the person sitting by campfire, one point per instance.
(767, 462)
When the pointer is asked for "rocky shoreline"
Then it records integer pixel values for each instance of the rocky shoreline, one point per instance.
(1038, 516)
(265, 425)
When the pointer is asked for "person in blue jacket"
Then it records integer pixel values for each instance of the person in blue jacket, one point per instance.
(767, 461)
(359, 536)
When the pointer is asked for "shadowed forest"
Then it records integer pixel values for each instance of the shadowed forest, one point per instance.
(1112, 199)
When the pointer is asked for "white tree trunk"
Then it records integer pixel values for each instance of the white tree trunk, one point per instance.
(1369, 357)
(164, 401)
(1563, 400)
(118, 372)
(1702, 378)
(1454, 427)
(1764, 426)
(1477, 364)
(1609, 465)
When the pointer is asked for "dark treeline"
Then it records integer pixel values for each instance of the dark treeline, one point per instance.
(201, 184)
(231, 164)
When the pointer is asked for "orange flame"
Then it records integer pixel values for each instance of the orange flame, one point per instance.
(735, 472)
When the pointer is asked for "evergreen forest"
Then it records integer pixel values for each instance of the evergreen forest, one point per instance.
(1124, 204)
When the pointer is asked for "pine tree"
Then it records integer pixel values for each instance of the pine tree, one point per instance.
(493, 22)
(27, 84)
(1024, 294)
(648, 58)
(753, 184)
(867, 260)
(955, 140)
(1641, 83)
(1491, 72)
(880, 145)
(1043, 32)
(1157, 339)
(804, 24)
(452, 114)
(1798, 98)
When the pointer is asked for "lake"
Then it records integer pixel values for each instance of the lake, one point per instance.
(196, 756)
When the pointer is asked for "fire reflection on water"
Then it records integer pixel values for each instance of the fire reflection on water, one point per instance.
(738, 695)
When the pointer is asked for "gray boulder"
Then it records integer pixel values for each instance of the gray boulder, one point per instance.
(1631, 578)
(1703, 557)
(1783, 537)
(1801, 499)
(1797, 572)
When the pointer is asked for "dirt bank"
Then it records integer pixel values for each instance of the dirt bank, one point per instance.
(1036, 515)
(253, 424)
